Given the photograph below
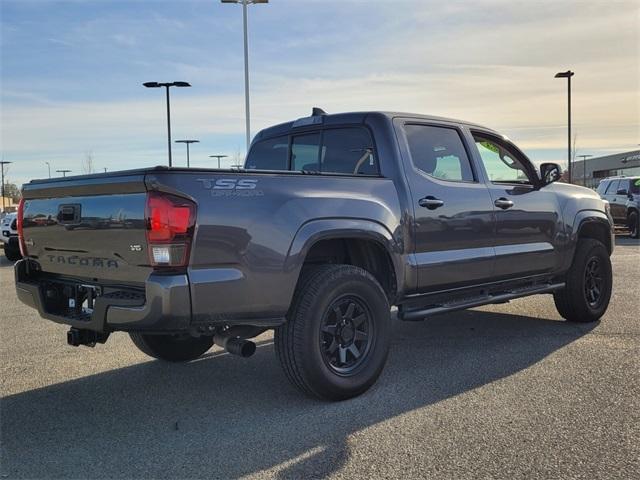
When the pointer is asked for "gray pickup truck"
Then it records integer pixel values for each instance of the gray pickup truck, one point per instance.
(332, 220)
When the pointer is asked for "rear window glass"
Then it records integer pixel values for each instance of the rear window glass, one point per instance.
(270, 154)
(305, 152)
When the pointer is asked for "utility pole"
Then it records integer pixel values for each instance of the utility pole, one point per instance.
(568, 74)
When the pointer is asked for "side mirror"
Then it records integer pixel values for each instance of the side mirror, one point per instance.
(621, 191)
(550, 172)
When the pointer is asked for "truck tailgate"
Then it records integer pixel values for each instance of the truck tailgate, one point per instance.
(91, 227)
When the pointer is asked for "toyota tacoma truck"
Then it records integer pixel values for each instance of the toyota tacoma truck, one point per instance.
(332, 220)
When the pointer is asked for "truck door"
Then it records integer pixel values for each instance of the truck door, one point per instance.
(528, 216)
(453, 218)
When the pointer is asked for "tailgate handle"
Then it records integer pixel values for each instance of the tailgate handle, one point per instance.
(69, 213)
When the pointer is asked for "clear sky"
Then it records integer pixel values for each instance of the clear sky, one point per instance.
(72, 72)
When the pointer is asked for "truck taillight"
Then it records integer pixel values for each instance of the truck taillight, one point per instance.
(19, 222)
(170, 225)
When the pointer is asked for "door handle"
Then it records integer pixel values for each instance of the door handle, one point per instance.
(503, 203)
(430, 202)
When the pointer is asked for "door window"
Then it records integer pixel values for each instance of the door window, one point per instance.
(612, 188)
(439, 152)
(501, 165)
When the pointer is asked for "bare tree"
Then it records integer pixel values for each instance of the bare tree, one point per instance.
(87, 162)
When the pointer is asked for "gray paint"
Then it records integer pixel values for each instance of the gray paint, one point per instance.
(254, 232)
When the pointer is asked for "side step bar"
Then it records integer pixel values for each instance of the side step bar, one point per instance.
(422, 313)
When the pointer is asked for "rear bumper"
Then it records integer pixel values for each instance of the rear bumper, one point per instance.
(163, 306)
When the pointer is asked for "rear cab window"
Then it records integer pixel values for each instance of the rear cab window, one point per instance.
(344, 150)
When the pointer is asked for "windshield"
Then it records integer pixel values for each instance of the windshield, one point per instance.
(635, 186)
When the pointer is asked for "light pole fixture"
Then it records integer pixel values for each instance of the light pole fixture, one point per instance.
(568, 74)
(187, 143)
(218, 157)
(48, 168)
(244, 4)
(167, 86)
(584, 169)
(2, 164)
(63, 172)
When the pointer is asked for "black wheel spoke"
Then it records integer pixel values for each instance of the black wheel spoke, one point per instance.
(354, 350)
(360, 335)
(343, 355)
(329, 329)
(359, 319)
(349, 313)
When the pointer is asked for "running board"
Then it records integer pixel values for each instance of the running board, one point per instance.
(463, 304)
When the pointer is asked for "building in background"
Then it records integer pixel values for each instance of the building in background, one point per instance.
(589, 172)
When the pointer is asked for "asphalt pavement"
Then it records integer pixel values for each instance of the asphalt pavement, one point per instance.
(505, 391)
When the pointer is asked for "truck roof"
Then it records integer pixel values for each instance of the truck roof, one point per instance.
(351, 118)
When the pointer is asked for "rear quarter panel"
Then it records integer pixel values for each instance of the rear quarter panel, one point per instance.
(250, 235)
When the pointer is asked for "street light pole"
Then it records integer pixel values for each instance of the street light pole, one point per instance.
(2, 164)
(245, 22)
(568, 74)
(48, 168)
(167, 86)
(63, 172)
(187, 143)
(584, 169)
(218, 157)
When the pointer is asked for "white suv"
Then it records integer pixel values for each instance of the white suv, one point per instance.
(9, 232)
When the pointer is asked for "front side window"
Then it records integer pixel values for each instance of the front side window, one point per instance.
(270, 154)
(500, 164)
(439, 152)
(613, 187)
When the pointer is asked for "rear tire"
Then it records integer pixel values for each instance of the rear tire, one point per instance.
(172, 348)
(336, 338)
(632, 223)
(586, 295)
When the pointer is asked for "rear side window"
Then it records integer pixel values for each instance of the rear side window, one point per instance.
(270, 154)
(439, 152)
(348, 150)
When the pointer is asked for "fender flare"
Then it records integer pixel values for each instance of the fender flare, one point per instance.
(334, 228)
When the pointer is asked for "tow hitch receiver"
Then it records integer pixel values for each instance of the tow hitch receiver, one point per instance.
(89, 338)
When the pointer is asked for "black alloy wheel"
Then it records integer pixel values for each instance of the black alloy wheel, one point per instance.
(346, 334)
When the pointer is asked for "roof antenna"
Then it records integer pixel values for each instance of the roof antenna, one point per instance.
(317, 112)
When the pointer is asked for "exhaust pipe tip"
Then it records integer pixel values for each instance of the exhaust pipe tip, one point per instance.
(236, 346)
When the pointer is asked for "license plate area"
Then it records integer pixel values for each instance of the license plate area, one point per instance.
(73, 301)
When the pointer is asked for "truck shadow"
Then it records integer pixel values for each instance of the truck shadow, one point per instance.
(223, 416)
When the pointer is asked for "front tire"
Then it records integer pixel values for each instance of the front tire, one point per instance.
(336, 338)
(12, 254)
(632, 223)
(586, 296)
(172, 348)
